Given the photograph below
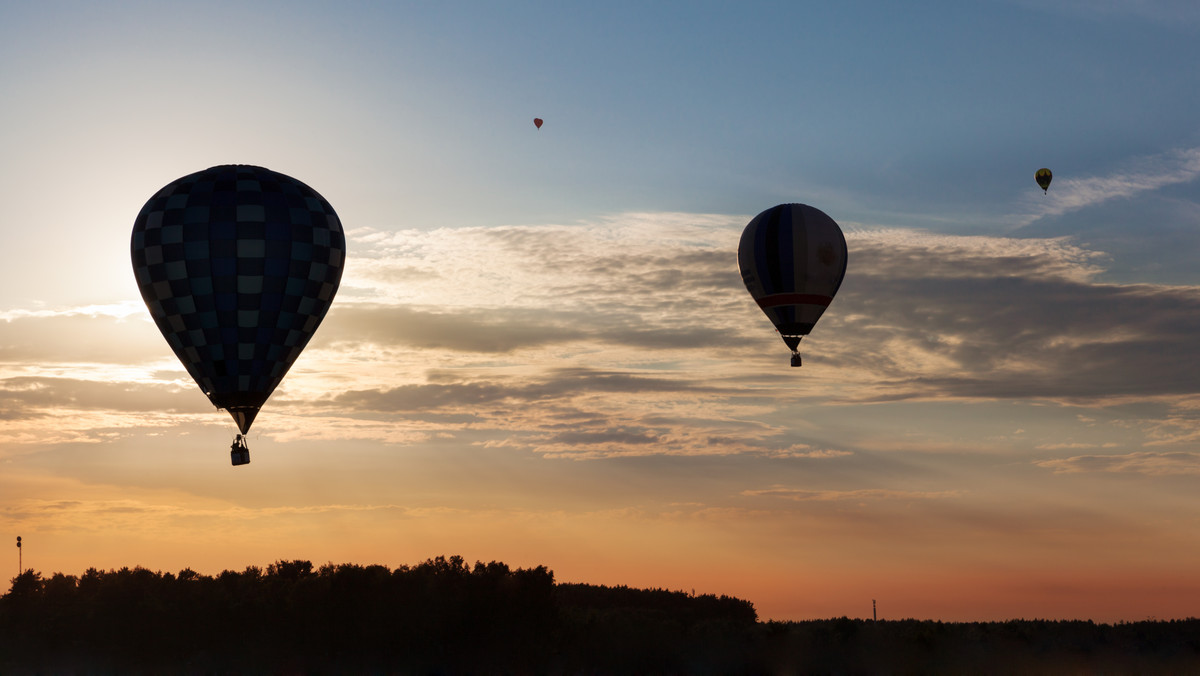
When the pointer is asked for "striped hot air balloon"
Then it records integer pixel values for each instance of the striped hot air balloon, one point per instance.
(792, 258)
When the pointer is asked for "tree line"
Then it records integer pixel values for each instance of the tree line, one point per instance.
(440, 616)
(444, 616)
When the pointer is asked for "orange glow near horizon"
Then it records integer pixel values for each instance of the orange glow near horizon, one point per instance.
(542, 351)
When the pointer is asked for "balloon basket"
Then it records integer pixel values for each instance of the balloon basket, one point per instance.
(239, 453)
(795, 359)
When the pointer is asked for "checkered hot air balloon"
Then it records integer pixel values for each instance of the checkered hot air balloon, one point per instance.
(792, 258)
(238, 265)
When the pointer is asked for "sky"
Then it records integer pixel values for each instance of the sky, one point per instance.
(542, 353)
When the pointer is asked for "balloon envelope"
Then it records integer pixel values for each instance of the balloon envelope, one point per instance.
(537, 122)
(792, 258)
(238, 265)
(1043, 178)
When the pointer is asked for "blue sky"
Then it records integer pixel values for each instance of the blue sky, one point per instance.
(541, 351)
(930, 115)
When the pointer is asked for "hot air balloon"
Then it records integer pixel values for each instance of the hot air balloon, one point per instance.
(792, 258)
(238, 265)
(1043, 178)
(537, 122)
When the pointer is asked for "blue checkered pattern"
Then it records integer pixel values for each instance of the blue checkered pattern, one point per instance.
(238, 265)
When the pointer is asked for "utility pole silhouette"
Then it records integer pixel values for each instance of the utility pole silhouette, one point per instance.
(874, 613)
(20, 562)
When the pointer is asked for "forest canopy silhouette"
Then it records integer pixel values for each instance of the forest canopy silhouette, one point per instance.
(445, 616)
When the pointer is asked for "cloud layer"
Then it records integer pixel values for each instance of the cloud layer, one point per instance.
(635, 336)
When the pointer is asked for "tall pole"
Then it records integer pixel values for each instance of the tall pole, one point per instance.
(874, 613)
(20, 562)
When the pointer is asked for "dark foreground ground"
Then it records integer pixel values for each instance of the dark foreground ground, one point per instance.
(445, 617)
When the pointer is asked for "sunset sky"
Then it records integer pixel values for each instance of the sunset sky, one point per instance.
(542, 352)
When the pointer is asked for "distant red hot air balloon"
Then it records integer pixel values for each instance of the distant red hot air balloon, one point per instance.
(537, 122)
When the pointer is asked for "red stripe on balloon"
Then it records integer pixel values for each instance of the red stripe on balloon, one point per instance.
(777, 299)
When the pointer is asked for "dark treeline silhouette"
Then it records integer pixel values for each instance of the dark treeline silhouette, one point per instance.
(441, 616)
(446, 617)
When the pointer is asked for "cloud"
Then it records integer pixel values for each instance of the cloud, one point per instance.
(504, 330)
(573, 412)
(554, 385)
(40, 393)
(119, 310)
(150, 516)
(643, 258)
(806, 451)
(650, 281)
(921, 315)
(1152, 464)
(635, 336)
(108, 335)
(1150, 173)
(857, 495)
(1073, 446)
(937, 316)
(485, 330)
(38, 411)
(918, 253)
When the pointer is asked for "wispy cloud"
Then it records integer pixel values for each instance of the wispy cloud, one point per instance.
(147, 515)
(1070, 193)
(119, 310)
(855, 495)
(1074, 446)
(1153, 464)
(59, 393)
(75, 336)
(630, 257)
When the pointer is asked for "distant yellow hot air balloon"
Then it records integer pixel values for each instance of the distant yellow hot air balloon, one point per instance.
(1043, 177)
